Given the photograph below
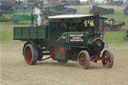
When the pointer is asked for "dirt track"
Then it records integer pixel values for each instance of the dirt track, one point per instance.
(16, 72)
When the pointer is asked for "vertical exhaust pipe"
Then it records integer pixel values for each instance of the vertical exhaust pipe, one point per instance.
(32, 20)
(96, 21)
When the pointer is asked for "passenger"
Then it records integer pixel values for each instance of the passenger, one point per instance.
(91, 23)
(45, 20)
(68, 27)
(73, 26)
(39, 19)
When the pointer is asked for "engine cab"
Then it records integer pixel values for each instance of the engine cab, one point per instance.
(77, 31)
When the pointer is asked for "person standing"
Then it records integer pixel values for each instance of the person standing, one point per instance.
(39, 19)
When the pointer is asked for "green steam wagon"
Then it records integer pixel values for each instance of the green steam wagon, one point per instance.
(66, 37)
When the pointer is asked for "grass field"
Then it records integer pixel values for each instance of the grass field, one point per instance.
(6, 28)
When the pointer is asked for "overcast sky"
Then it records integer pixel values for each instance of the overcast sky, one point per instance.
(96, 0)
(82, 0)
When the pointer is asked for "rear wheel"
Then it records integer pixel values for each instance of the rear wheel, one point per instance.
(84, 59)
(30, 54)
(108, 59)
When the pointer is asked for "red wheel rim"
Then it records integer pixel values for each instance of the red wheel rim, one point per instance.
(107, 58)
(28, 55)
(82, 59)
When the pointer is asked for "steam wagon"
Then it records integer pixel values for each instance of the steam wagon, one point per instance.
(64, 38)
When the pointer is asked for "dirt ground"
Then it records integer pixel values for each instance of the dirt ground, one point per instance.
(16, 72)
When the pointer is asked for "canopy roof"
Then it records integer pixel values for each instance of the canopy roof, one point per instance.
(71, 16)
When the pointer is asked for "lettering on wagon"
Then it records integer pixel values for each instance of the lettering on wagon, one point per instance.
(76, 38)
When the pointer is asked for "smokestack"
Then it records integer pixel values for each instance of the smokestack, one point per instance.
(32, 21)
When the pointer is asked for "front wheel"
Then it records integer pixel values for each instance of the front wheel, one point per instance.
(84, 59)
(30, 54)
(108, 59)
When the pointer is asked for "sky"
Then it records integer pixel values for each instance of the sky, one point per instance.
(96, 0)
(82, 0)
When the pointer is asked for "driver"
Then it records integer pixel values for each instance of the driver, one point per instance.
(80, 26)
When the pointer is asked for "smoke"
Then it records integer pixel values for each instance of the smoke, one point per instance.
(36, 11)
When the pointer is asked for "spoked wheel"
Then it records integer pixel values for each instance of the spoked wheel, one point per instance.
(30, 54)
(62, 61)
(84, 59)
(125, 36)
(108, 59)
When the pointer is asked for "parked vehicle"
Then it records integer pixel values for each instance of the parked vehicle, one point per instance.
(6, 7)
(58, 9)
(117, 3)
(102, 10)
(113, 25)
(2, 18)
(126, 10)
(66, 37)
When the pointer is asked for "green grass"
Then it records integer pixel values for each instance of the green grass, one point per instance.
(6, 33)
(16, 13)
(114, 37)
